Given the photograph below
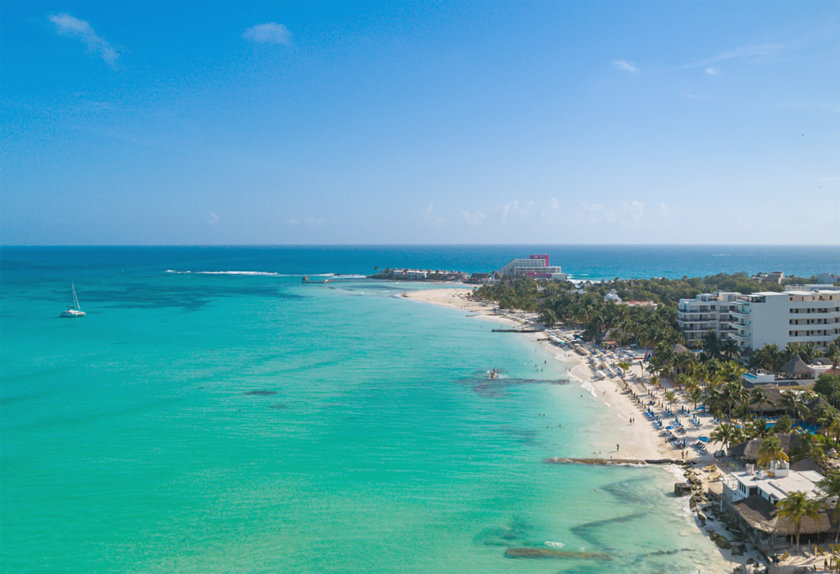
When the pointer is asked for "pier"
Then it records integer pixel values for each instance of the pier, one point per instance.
(518, 330)
(615, 461)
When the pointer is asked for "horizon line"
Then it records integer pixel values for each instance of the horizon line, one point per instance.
(270, 245)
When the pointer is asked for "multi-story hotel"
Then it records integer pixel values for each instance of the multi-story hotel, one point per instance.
(706, 312)
(536, 266)
(801, 314)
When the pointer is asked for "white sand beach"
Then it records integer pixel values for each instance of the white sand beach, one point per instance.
(639, 440)
(626, 399)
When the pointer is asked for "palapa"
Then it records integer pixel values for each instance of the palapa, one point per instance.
(762, 515)
(796, 366)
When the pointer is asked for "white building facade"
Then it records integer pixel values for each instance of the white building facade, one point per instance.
(537, 266)
(706, 312)
(801, 314)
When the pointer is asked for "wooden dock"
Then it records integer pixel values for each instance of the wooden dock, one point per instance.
(518, 330)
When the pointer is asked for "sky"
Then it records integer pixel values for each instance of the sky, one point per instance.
(575, 122)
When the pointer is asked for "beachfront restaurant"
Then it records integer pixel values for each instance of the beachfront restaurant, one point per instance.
(751, 497)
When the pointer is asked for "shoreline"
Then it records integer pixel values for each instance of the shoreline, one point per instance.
(624, 400)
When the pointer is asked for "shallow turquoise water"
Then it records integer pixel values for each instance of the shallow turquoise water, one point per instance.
(234, 423)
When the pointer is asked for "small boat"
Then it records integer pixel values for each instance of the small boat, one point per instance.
(73, 311)
(308, 280)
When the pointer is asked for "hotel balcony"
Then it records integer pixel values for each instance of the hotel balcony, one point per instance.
(697, 317)
(740, 327)
(739, 337)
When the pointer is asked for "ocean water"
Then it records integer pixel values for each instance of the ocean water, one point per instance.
(198, 421)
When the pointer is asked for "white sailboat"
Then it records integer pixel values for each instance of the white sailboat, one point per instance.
(74, 311)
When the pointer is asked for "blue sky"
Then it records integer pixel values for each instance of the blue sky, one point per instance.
(450, 122)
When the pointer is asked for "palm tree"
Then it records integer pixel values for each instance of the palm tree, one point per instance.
(695, 394)
(796, 507)
(730, 371)
(831, 486)
(735, 394)
(726, 434)
(770, 450)
(832, 428)
(730, 348)
(682, 380)
(684, 362)
(758, 428)
(793, 403)
(758, 397)
(783, 424)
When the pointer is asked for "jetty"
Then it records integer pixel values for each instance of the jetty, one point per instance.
(518, 330)
(614, 461)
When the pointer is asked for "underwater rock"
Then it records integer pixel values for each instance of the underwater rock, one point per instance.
(554, 553)
(260, 393)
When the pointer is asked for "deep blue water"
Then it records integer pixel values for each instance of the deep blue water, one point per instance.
(583, 262)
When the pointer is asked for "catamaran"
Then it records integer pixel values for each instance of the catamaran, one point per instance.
(73, 311)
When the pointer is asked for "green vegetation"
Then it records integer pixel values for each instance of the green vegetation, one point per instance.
(770, 450)
(796, 507)
(713, 376)
(831, 486)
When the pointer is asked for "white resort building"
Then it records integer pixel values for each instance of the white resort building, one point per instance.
(536, 266)
(752, 497)
(706, 312)
(800, 314)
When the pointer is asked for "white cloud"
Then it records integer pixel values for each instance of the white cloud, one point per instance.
(212, 218)
(633, 211)
(474, 218)
(68, 25)
(624, 66)
(270, 33)
(710, 71)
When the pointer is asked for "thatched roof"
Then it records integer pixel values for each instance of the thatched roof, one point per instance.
(749, 450)
(774, 399)
(796, 366)
(680, 349)
(762, 515)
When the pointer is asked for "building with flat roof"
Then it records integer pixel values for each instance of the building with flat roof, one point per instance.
(794, 316)
(800, 314)
(536, 266)
(752, 497)
(706, 312)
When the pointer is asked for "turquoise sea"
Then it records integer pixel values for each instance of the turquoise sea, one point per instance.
(213, 414)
